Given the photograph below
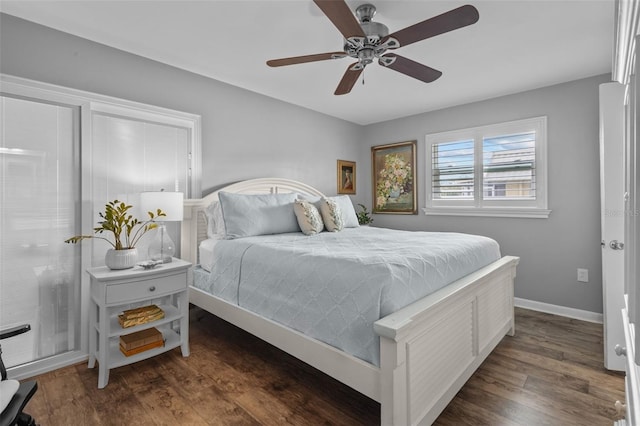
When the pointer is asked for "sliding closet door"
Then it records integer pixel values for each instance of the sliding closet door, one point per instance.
(39, 193)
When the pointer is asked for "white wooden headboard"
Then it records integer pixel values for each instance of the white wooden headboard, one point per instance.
(194, 224)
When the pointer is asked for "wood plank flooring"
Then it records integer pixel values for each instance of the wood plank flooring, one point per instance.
(550, 373)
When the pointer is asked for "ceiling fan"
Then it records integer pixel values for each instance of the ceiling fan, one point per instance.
(367, 40)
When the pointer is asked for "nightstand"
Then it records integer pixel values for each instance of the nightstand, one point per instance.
(113, 291)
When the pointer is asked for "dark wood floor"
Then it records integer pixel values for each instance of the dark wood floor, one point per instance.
(550, 373)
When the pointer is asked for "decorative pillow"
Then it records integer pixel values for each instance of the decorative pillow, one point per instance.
(215, 221)
(308, 217)
(349, 217)
(261, 214)
(331, 215)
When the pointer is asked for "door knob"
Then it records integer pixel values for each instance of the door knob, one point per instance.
(620, 350)
(616, 245)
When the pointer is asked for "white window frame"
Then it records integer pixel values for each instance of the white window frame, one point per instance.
(537, 208)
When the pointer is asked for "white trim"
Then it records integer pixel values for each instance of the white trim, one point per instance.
(42, 366)
(627, 13)
(563, 311)
(530, 213)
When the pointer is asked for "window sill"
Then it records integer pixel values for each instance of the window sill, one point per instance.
(528, 213)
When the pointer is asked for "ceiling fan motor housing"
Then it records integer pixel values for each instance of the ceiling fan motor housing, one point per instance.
(366, 49)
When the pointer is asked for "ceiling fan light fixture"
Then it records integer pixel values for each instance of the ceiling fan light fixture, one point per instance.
(366, 55)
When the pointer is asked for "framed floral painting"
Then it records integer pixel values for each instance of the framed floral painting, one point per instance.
(394, 184)
(346, 177)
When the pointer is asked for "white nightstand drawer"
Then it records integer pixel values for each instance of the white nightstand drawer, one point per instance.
(141, 289)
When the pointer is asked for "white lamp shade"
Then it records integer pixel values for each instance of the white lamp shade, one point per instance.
(171, 203)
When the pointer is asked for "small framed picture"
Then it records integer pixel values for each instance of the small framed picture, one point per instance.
(346, 177)
(394, 185)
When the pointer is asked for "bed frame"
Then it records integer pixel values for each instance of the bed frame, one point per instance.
(428, 350)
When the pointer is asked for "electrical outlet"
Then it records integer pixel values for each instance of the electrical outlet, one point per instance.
(583, 275)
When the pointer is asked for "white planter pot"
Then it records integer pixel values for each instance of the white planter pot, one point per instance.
(121, 259)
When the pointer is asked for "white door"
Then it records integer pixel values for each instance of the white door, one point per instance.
(612, 188)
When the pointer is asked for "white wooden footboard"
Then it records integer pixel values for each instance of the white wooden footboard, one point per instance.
(429, 349)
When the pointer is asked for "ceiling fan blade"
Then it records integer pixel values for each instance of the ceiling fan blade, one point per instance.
(448, 21)
(341, 16)
(307, 58)
(409, 67)
(348, 80)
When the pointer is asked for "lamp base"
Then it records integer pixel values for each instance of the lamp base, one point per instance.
(162, 247)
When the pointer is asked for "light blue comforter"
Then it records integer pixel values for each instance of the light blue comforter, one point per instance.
(334, 286)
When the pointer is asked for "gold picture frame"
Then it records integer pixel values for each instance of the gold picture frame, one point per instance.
(346, 177)
(393, 169)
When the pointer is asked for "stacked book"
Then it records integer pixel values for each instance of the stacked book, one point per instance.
(141, 315)
(140, 341)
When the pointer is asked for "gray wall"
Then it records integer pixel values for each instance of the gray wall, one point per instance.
(551, 249)
(247, 135)
(244, 135)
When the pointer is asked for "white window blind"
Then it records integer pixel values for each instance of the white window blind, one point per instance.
(453, 170)
(494, 170)
(508, 167)
(132, 155)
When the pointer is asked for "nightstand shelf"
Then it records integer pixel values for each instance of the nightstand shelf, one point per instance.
(113, 291)
(171, 313)
(118, 359)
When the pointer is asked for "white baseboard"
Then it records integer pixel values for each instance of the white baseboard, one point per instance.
(46, 365)
(558, 310)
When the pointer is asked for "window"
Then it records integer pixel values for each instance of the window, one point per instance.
(134, 154)
(495, 170)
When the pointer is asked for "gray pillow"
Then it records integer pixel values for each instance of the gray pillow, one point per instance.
(247, 215)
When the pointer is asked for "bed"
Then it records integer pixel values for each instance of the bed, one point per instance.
(424, 351)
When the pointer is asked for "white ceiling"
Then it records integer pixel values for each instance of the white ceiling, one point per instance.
(516, 45)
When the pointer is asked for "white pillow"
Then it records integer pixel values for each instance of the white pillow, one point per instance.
(349, 217)
(308, 217)
(331, 215)
(261, 214)
(215, 221)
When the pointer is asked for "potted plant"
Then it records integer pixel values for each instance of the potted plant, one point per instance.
(363, 215)
(126, 232)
